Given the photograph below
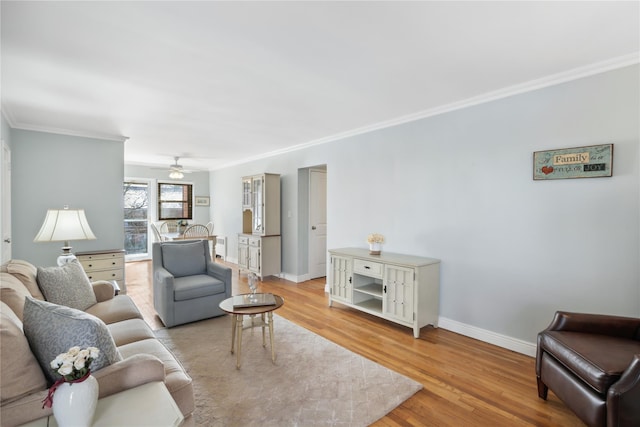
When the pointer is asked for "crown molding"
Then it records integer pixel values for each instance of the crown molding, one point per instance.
(94, 135)
(530, 86)
(68, 132)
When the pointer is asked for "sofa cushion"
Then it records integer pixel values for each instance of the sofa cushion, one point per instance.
(184, 259)
(27, 274)
(21, 374)
(13, 293)
(599, 360)
(198, 286)
(53, 329)
(179, 384)
(67, 285)
(129, 331)
(116, 309)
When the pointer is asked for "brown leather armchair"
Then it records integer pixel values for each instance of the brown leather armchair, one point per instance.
(592, 363)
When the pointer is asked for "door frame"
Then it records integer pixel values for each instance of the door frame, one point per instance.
(5, 211)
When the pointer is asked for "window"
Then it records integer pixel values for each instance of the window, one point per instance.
(136, 203)
(175, 201)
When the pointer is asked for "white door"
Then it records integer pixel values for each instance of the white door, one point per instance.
(317, 223)
(5, 199)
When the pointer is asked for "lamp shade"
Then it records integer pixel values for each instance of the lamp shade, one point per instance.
(62, 225)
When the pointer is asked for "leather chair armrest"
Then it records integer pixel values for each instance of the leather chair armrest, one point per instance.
(603, 324)
(623, 397)
(131, 372)
(103, 290)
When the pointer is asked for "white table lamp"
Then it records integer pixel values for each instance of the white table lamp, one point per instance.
(63, 225)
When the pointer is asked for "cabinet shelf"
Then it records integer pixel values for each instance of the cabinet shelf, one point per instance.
(373, 289)
(371, 305)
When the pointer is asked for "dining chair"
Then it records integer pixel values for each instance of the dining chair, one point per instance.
(210, 227)
(169, 227)
(196, 230)
(156, 233)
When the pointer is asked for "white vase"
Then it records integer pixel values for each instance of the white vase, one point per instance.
(375, 248)
(75, 403)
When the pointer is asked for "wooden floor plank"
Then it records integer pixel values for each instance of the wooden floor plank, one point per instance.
(465, 382)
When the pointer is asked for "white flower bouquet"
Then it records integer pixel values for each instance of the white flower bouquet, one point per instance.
(375, 238)
(74, 364)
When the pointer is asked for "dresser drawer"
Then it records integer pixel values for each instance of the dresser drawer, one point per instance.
(102, 264)
(368, 268)
(243, 240)
(255, 242)
(90, 257)
(105, 275)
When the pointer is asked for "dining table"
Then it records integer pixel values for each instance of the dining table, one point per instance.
(180, 236)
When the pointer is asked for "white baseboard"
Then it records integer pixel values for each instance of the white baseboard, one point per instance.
(327, 288)
(510, 343)
(293, 278)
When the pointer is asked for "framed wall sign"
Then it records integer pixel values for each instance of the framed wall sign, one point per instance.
(593, 161)
(202, 201)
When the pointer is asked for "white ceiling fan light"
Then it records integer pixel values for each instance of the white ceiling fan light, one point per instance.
(175, 174)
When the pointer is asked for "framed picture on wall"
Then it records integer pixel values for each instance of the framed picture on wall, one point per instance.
(593, 161)
(202, 201)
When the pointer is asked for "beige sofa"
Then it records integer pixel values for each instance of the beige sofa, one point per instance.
(144, 359)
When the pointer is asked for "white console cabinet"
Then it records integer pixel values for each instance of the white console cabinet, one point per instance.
(400, 288)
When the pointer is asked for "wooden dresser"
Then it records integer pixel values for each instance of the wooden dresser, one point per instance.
(104, 265)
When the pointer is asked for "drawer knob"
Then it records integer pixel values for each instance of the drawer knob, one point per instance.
(90, 265)
(367, 267)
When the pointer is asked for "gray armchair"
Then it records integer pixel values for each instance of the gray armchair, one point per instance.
(187, 285)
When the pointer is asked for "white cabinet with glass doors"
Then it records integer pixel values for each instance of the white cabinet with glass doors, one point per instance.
(259, 244)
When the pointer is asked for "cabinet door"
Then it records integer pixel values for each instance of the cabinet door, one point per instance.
(398, 292)
(243, 256)
(246, 193)
(254, 259)
(341, 278)
(257, 191)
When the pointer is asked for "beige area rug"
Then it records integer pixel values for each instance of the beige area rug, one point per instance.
(314, 382)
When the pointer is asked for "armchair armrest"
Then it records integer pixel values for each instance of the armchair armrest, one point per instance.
(131, 372)
(163, 284)
(623, 397)
(602, 324)
(103, 290)
(222, 273)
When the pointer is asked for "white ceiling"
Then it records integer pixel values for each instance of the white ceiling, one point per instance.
(219, 82)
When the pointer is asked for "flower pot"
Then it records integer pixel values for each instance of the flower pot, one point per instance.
(74, 403)
(375, 248)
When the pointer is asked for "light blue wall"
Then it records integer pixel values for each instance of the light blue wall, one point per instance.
(5, 131)
(459, 187)
(200, 181)
(50, 171)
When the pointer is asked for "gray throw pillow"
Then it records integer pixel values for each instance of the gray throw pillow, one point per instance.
(184, 259)
(52, 329)
(67, 285)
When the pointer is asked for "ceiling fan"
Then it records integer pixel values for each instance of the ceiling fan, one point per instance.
(176, 171)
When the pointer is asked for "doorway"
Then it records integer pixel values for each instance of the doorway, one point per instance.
(317, 222)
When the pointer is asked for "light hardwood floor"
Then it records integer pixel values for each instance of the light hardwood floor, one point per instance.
(465, 382)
